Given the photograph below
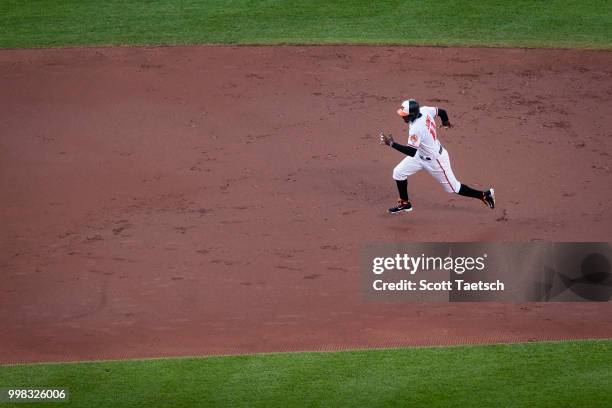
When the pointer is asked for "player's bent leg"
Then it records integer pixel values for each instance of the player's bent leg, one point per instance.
(442, 171)
(405, 168)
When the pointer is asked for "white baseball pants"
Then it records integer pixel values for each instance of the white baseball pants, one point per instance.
(439, 168)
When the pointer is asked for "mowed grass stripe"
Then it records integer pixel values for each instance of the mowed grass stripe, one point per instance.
(573, 373)
(554, 23)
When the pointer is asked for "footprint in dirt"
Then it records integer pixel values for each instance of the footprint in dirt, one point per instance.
(503, 218)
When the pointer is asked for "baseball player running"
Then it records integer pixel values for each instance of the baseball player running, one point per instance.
(424, 151)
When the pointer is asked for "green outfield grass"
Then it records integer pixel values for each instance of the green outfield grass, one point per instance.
(553, 374)
(554, 23)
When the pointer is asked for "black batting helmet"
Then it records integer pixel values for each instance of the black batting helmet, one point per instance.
(409, 109)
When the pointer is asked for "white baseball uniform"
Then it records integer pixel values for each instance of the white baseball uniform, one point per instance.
(430, 154)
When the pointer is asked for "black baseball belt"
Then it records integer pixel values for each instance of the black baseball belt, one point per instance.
(429, 158)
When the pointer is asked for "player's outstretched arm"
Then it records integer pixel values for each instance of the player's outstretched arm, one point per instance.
(444, 117)
(407, 150)
(388, 140)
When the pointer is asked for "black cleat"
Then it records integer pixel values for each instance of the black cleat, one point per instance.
(402, 206)
(488, 198)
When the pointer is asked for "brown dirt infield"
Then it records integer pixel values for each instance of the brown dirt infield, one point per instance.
(214, 200)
